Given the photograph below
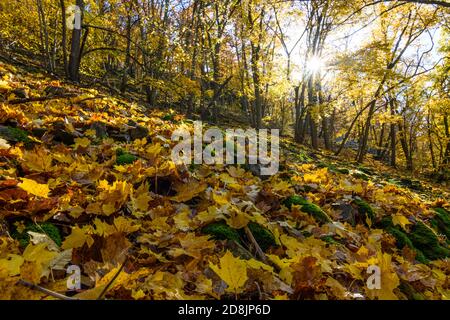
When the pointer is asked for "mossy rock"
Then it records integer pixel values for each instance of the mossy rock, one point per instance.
(294, 200)
(308, 207)
(333, 168)
(343, 170)
(403, 240)
(360, 175)
(367, 171)
(425, 239)
(126, 158)
(316, 212)
(441, 222)
(168, 117)
(330, 240)
(263, 236)
(47, 228)
(15, 135)
(364, 209)
(221, 231)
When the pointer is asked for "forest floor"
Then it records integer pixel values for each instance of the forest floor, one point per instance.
(86, 179)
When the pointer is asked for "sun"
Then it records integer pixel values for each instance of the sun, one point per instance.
(315, 64)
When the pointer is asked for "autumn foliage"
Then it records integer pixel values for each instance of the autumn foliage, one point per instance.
(143, 228)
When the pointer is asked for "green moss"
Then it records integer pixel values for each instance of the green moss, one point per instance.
(343, 170)
(333, 168)
(168, 117)
(263, 236)
(425, 239)
(221, 231)
(386, 222)
(15, 135)
(307, 207)
(126, 158)
(316, 212)
(366, 170)
(422, 239)
(47, 228)
(360, 175)
(403, 240)
(441, 221)
(294, 200)
(364, 209)
(330, 240)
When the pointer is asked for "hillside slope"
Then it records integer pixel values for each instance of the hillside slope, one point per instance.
(86, 179)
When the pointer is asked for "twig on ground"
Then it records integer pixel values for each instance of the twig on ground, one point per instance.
(258, 249)
(46, 291)
(112, 280)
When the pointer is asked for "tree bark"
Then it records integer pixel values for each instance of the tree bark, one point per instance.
(75, 51)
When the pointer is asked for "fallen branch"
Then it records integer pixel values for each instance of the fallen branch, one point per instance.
(112, 280)
(46, 291)
(258, 249)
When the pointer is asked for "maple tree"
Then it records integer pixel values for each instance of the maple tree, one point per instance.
(87, 177)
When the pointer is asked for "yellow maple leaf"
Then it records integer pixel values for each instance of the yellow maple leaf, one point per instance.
(11, 264)
(108, 208)
(140, 198)
(255, 264)
(318, 176)
(137, 294)
(103, 229)
(40, 256)
(220, 199)
(238, 219)
(232, 270)
(34, 188)
(125, 225)
(4, 86)
(77, 239)
(38, 160)
(187, 191)
(401, 220)
(389, 279)
(82, 142)
(281, 186)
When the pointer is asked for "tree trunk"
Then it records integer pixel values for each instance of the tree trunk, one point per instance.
(393, 135)
(75, 50)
